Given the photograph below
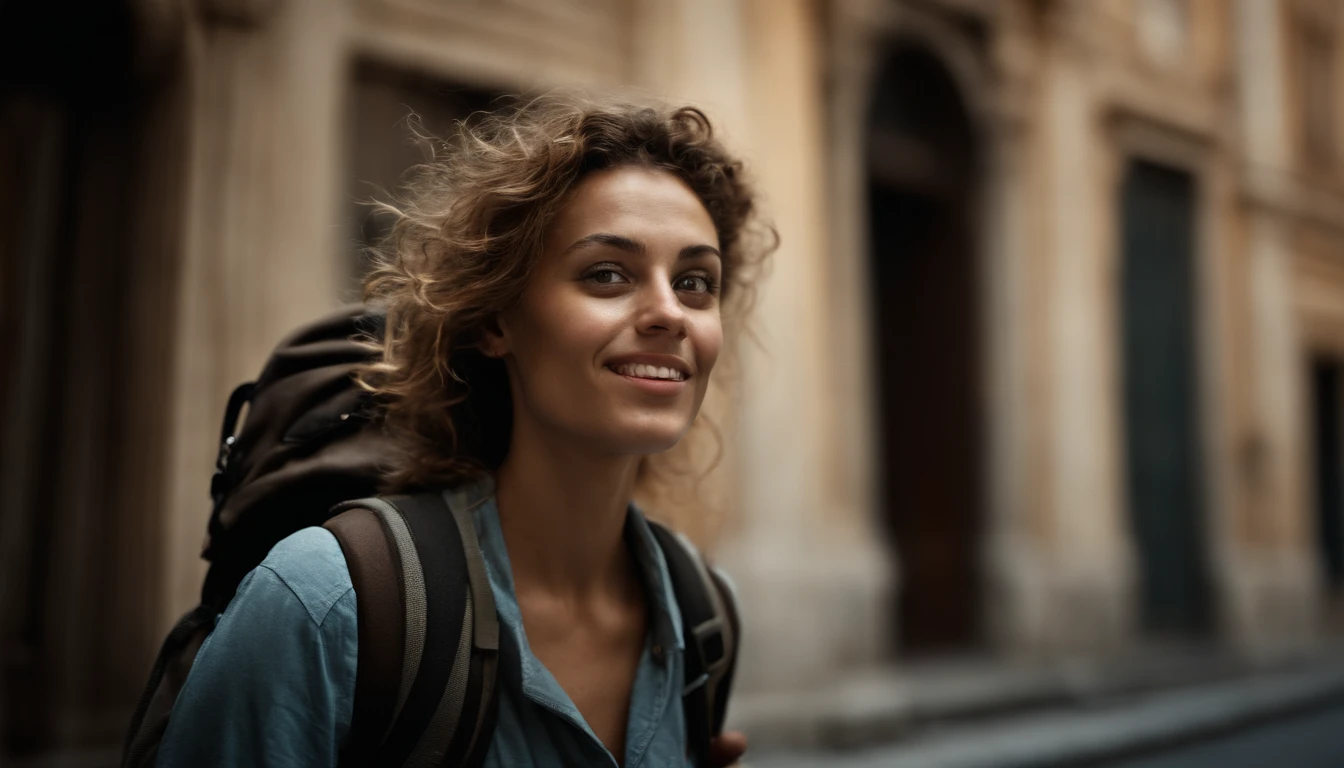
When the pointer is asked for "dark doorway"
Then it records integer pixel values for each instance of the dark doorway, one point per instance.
(1163, 452)
(94, 159)
(921, 165)
(1327, 384)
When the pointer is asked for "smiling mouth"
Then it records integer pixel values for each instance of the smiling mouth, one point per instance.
(653, 372)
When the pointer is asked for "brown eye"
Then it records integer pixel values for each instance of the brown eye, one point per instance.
(693, 283)
(606, 276)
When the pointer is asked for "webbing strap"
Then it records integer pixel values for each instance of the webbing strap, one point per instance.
(482, 690)
(715, 636)
(708, 628)
(449, 637)
(414, 599)
(461, 502)
(375, 572)
(439, 547)
(471, 685)
(718, 709)
(434, 743)
(470, 745)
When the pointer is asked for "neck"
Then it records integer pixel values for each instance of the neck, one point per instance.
(562, 510)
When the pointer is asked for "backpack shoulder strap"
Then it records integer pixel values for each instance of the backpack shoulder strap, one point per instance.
(373, 558)
(728, 595)
(711, 628)
(435, 668)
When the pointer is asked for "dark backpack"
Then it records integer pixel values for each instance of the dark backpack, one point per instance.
(425, 690)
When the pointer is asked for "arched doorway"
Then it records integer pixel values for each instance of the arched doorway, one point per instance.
(921, 166)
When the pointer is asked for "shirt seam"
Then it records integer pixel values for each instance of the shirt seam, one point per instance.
(332, 604)
(329, 600)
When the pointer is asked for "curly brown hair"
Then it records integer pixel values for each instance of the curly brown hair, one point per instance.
(467, 229)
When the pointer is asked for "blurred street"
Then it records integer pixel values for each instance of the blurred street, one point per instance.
(1310, 740)
(1313, 739)
(1292, 718)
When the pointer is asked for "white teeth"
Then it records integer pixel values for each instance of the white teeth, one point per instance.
(642, 371)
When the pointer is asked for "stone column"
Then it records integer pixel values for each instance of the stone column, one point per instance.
(809, 553)
(1090, 560)
(1272, 594)
(851, 459)
(261, 251)
(1016, 545)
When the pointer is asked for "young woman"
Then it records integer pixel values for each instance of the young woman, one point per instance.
(555, 282)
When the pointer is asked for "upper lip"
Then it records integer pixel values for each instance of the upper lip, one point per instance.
(658, 361)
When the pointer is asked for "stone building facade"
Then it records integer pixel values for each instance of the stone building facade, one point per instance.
(1050, 362)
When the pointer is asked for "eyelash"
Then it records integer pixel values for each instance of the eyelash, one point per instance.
(711, 285)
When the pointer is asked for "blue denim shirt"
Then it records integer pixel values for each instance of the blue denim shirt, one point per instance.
(274, 683)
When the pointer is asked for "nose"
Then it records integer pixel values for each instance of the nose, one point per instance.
(661, 312)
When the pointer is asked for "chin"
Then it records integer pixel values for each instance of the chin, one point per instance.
(646, 437)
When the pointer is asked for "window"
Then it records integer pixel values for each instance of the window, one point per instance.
(379, 146)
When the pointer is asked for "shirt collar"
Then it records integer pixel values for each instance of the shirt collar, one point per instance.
(665, 616)
(653, 566)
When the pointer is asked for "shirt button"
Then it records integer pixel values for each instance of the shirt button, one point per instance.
(658, 651)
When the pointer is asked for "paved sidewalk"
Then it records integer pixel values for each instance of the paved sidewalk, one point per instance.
(1097, 731)
(1313, 739)
(878, 706)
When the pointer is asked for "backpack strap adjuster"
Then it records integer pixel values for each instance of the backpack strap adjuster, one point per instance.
(695, 684)
(709, 639)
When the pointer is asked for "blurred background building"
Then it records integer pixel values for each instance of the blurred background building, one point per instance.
(1050, 363)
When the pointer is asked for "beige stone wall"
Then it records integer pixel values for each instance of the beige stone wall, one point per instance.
(1199, 86)
(1062, 102)
(252, 242)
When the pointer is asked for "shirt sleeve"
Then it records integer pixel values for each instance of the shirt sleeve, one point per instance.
(273, 684)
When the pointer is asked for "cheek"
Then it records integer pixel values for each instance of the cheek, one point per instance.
(564, 337)
(707, 335)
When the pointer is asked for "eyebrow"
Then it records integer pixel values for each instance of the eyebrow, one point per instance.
(630, 245)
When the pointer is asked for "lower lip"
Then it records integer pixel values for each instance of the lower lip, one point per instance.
(654, 386)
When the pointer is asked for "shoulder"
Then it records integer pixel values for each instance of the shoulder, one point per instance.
(279, 669)
(309, 566)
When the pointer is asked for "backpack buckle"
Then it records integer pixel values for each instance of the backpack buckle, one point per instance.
(695, 684)
(222, 459)
(709, 642)
(240, 397)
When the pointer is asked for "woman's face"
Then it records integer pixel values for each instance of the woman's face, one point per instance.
(618, 328)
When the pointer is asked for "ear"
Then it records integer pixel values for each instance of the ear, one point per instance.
(493, 341)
